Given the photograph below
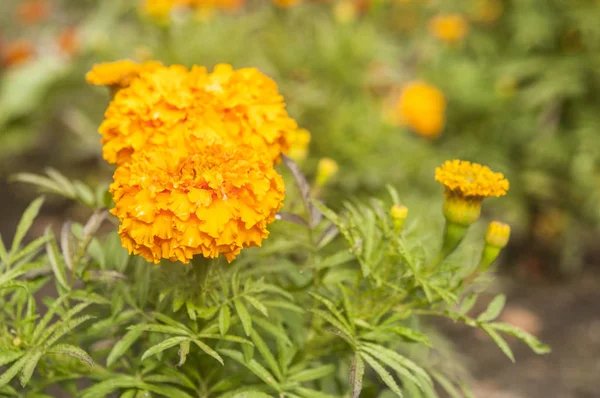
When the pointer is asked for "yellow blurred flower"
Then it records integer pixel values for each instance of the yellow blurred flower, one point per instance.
(422, 107)
(180, 108)
(161, 9)
(118, 73)
(299, 141)
(216, 201)
(399, 214)
(497, 234)
(286, 3)
(326, 170)
(449, 28)
(467, 184)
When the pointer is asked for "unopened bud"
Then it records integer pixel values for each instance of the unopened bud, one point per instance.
(461, 211)
(398, 213)
(497, 234)
(326, 170)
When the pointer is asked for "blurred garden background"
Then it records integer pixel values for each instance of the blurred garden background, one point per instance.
(388, 89)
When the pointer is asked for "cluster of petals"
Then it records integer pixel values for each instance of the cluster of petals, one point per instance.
(195, 153)
(217, 201)
(470, 180)
(173, 106)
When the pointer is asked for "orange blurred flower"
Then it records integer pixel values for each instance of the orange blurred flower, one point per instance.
(17, 52)
(68, 41)
(449, 28)
(33, 11)
(422, 107)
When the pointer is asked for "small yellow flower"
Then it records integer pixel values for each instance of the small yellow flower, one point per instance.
(467, 184)
(422, 107)
(217, 201)
(497, 234)
(399, 214)
(326, 170)
(299, 142)
(449, 28)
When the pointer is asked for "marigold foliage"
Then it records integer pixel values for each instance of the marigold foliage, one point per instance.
(422, 107)
(216, 201)
(470, 180)
(180, 108)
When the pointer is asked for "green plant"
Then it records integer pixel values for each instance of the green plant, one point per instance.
(332, 304)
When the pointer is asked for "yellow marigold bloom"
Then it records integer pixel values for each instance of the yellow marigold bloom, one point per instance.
(422, 107)
(470, 180)
(467, 184)
(299, 142)
(119, 73)
(449, 28)
(217, 201)
(326, 170)
(497, 234)
(181, 108)
(286, 3)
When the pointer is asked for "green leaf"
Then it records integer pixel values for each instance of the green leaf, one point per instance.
(227, 337)
(265, 352)
(329, 318)
(7, 357)
(155, 327)
(403, 361)
(209, 351)
(15, 368)
(163, 345)
(106, 387)
(56, 263)
(312, 374)
(258, 305)
(184, 350)
(499, 341)
(25, 223)
(384, 374)
(537, 346)
(73, 351)
(29, 366)
(447, 385)
(348, 329)
(46, 184)
(309, 393)
(63, 182)
(254, 367)
(224, 320)
(467, 304)
(62, 329)
(242, 312)
(397, 366)
(31, 248)
(275, 330)
(410, 334)
(357, 372)
(284, 306)
(252, 394)
(3, 252)
(493, 309)
(123, 345)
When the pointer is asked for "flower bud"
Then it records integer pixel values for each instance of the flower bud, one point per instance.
(497, 234)
(398, 213)
(462, 211)
(326, 170)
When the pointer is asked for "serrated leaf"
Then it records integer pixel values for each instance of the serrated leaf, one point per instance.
(7, 357)
(312, 374)
(403, 361)
(244, 316)
(410, 334)
(29, 367)
(254, 367)
(163, 345)
(25, 223)
(467, 304)
(123, 345)
(499, 341)
(64, 328)
(12, 371)
(384, 374)
(224, 320)
(227, 337)
(493, 310)
(161, 329)
(537, 346)
(209, 351)
(257, 305)
(348, 329)
(55, 260)
(329, 318)
(397, 366)
(275, 330)
(357, 371)
(72, 351)
(266, 354)
(31, 248)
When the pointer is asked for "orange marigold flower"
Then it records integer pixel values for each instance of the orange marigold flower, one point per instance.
(17, 52)
(466, 179)
(118, 73)
(422, 107)
(217, 201)
(449, 28)
(181, 108)
(33, 11)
